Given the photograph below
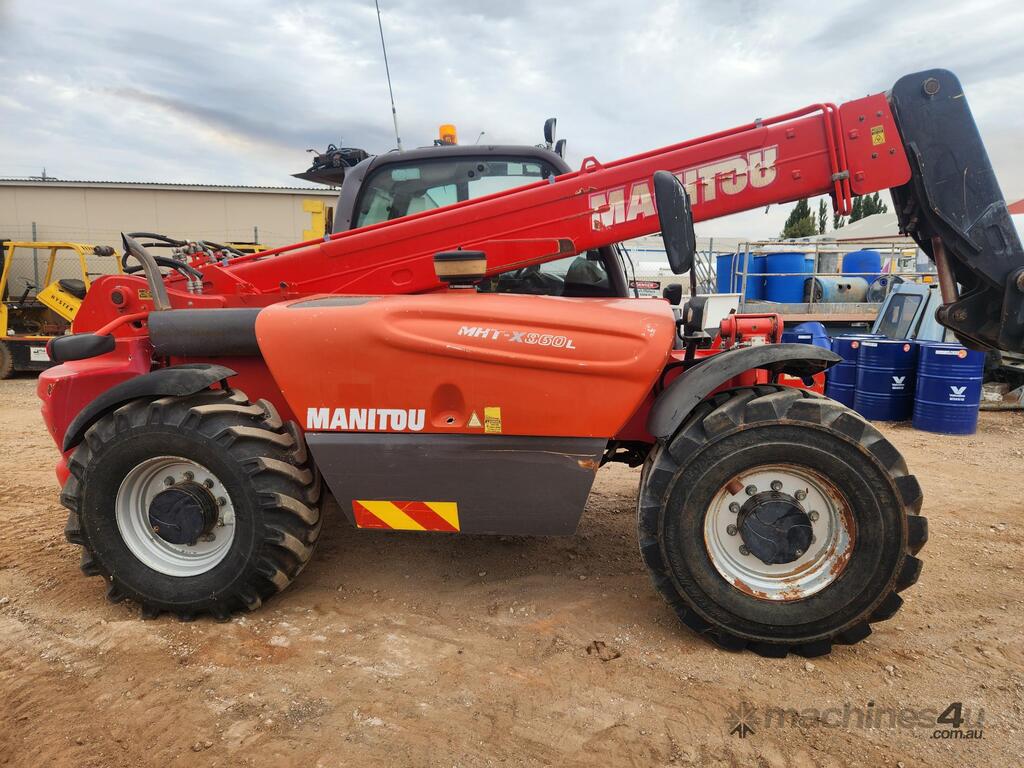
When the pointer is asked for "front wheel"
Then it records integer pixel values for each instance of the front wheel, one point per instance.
(779, 520)
(198, 504)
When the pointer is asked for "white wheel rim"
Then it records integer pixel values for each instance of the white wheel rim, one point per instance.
(137, 491)
(832, 526)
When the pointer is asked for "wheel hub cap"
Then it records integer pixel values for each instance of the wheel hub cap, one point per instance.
(779, 532)
(183, 513)
(175, 516)
(775, 528)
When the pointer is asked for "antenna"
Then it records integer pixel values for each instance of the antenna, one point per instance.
(391, 93)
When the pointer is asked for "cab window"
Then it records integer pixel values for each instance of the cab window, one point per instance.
(899, 316)
(396, 190)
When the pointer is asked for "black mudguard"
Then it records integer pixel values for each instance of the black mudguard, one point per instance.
(953, 195)
(676, 402)
(175, 381)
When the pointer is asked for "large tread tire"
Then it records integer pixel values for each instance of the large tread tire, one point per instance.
(746, 417)
(6, 361)
(261, 462)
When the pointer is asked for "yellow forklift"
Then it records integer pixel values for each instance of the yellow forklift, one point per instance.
(47, 304)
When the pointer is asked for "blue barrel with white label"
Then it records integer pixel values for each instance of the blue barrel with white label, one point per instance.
(819, 336)
(885, 379)
(948, 391)
(797, 337)
(841, 378)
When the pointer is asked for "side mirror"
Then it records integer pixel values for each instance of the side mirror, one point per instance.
(676, 221)
(673, 293)
(549, 131)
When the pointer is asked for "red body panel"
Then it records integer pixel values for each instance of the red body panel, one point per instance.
(66, 389)
(468, 363)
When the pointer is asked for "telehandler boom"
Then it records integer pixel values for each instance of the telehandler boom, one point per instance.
(197, 411)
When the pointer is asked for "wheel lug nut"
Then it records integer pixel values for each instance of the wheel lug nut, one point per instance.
(168, 480)
(751, 490)
(799, 553)
(189, 475)
(813, 515)
(208, 483)
(734, 508)
(221, 501)
(776, 485)
(744, 551)
(730, 529)
(801, 495)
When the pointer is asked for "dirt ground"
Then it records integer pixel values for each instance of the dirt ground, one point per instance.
(418, 650)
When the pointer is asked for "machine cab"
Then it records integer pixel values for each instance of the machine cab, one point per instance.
(389, 186)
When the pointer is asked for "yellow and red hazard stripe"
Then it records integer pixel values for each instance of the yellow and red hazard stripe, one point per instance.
(407, 515)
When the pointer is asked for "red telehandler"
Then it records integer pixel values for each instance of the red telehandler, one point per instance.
(197, 411)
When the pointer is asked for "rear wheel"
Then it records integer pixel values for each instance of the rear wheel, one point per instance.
(199, 504)
(779, 520)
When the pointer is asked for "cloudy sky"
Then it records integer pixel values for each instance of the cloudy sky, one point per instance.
(234, 92)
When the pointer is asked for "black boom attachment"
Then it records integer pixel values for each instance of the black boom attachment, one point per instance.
(953, 207)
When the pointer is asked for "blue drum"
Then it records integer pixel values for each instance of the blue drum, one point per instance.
(866, 264)
(789, 286)
(948, 392)
(841, 379)
(885, 379)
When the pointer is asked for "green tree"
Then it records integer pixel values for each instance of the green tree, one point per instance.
(801, 221)
(876, 205)
(838, 222)
(867, 205)
(822, 216)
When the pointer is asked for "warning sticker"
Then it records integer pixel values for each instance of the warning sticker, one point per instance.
(877, 135)
(646, 288)
(144, 294)
(492, 420)
(407, 515)
(474, 420)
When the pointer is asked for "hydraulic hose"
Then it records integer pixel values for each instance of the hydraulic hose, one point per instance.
(163, 261)
(149, 266)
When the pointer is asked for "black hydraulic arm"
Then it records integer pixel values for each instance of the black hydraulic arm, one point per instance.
(953, 207)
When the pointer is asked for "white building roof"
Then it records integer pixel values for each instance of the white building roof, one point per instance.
(171, 186)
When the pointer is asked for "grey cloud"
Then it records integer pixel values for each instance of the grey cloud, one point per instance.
(234, 93)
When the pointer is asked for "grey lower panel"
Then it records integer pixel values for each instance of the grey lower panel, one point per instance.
(515, 486)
